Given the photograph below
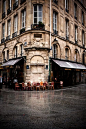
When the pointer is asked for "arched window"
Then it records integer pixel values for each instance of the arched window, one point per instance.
(54, 51)
(66, 53)
(75, 56)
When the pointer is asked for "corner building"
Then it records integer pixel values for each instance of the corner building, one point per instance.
(37, 35)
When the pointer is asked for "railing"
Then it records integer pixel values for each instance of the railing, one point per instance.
(3, 40)
(22, 1)
(3, 15)
(22, 30)
(8, 38)
(55, 1)
(38, 27)
(14, 34)
(8, 11)
(15, 5)
(55, 32)
(67, 10)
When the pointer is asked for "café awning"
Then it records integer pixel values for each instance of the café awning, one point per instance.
(11, 62)
(69, 65)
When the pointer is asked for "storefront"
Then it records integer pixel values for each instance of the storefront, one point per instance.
(14, 68)
(69, 72)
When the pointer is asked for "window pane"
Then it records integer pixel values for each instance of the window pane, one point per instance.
(35, 14)
(35, 8)
(40, 8)
(35, 20)
(40, 14)
(40, 19)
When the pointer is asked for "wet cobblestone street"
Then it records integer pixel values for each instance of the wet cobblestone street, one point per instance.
(50, 109)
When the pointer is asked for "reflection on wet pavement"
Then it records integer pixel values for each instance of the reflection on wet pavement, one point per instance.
(50, 109)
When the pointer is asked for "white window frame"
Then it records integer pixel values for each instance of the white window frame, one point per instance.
(54, 51)
(54, 21)
(23, 18)
(9, 27)
(67, 28)
(66, 4)
(83, 38)
(76, 33)
(16, 52)
(66, 53)
(38, 14)
(16, 23)
(4, 6)
(3, 30)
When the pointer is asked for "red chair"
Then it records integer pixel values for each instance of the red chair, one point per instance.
(23, 86)
(29, 86)
(17, 87)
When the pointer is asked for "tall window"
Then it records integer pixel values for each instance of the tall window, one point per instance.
(4, 6)
(75, 56)
(75, 11)
(15, 52)
(3, 30)
(76, 33)
(54, 51)
(9, 4)
(67, 29)
(66, 53)
(67, 6)
(55, 22)
(4, 56)
(82, 18)
(83, 38)
(22, 49)
(7, 54)
(16, 23)
(37, 13)
(9, 27)
(23, 18)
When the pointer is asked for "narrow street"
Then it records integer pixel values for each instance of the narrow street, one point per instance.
(50, 109)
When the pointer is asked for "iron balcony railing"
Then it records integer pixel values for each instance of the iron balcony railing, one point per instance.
(15, 5)
(3, 15)
(3, 40)
(22, 1)
(38, 27)
(8, 38)
(14, 34)
(22, 30)
(8, 11)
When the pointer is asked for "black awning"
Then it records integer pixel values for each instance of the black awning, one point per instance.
(11, 62)
(65, 64)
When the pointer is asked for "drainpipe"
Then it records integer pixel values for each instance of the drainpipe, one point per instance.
(50, 40)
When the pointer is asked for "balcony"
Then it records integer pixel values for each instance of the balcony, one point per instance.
(3, 40)
(8, 38)
(8, 11)
(67, 10)
(55, 1)
(3, 15)
(22, 30)
(75, 17)
(55, 32)
(14, 34)
(15, 5)
(37, 27)
(22, 1)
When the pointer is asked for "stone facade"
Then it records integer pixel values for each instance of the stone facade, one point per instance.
(36, 41)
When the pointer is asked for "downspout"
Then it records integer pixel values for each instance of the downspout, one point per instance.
(50, 41)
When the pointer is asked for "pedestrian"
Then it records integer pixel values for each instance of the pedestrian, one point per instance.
(55, 83)
(0, 83)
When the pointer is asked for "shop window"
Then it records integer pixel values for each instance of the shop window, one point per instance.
(37, 14)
